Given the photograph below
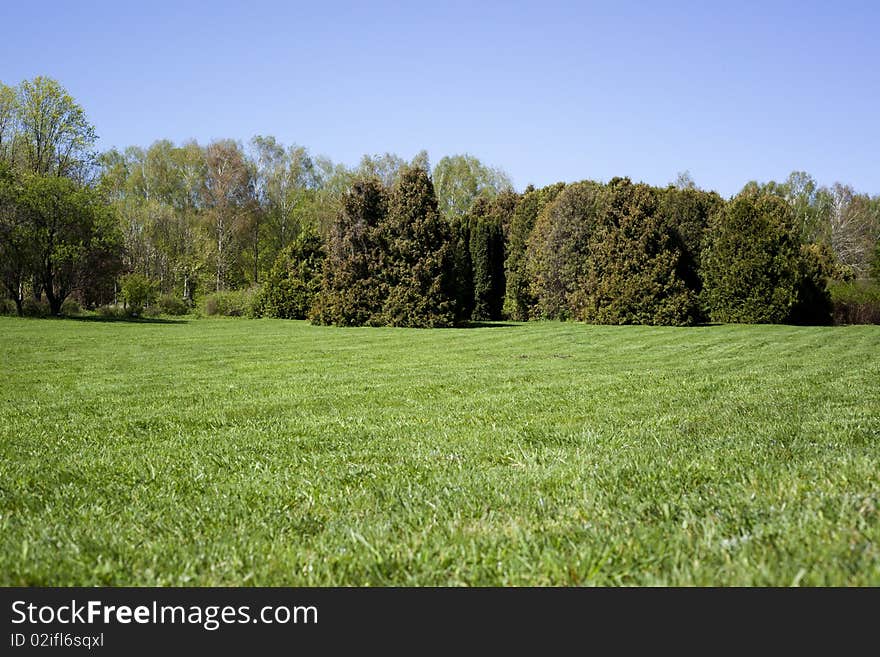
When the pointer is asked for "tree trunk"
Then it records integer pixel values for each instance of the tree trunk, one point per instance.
(54, 302)
(18, 306)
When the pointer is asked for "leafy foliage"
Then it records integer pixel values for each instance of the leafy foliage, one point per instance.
(290, 290)
(420, 260)
(353, 285)
(138, 292)
(74, 237)
(855, 302)
(231, 303)
(519, 302)
(751, 267)
(461, 179)
(486, 249)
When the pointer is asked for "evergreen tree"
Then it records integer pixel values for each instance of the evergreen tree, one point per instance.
(518, 299)
(294, 281)
(635, 264)
(687, 212)
(463, 270)
(486, 247)
(558, 253)
(420, 270)
(751, 267)
(353, 286)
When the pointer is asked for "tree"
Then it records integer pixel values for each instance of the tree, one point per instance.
(518, 299)
(854, 228)
(684, 181)
(811, 205)
(634, 269)
(420, 270)
(875, 265)
(285, 185)
(228, 195)
(138, 292)
(353, 284)
(9, 116)
(157, 193)
(16, 238)
(486, 247)
(294, 281)
(558, 251)
(686, 212)
(55, 136)
(385, 167)
(75, 236)
(460, 179)
(751, 266)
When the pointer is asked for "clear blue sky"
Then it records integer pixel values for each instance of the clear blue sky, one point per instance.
(731, 91)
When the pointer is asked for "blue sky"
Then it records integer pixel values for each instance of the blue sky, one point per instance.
(547, 91)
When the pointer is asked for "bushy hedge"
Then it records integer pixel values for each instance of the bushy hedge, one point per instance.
(606, 254)
(755, 269)
(295, 279)
(230, 303)
(138, 292)
(169, 304)
(390, 258)
(856, 302)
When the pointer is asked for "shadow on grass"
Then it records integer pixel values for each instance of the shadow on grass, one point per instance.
(125, 320)
(481, 325)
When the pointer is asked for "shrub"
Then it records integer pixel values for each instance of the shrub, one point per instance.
(7, 307)
(138, 292)
(70, 307)
(110, 311)
(30, 307)
(168, 304)
(855, 302)
(751, 267)
(352, 287)
(231, 303)
(290, 290)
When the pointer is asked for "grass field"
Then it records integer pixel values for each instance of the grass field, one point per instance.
(230, 452)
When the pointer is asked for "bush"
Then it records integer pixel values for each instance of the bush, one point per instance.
(7, 307)
(109, 310)
(138, 292)
(70, 308)
(605, 254)
(168, 304)
(751, 267)
(353, 288)
(855, 302)
(231, 303)
(30, 307)
(290, 290)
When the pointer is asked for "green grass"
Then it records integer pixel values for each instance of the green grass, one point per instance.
(230, 452)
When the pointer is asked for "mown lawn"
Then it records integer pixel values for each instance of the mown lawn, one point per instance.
(230, 452)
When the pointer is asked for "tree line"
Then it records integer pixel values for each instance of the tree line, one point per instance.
(396, 242)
